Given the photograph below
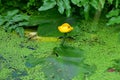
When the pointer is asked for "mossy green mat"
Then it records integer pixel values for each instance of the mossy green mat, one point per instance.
(100, 48)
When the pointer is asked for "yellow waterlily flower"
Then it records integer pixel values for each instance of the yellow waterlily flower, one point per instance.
(65, 28)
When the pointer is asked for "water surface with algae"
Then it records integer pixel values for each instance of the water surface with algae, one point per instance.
(100, 49)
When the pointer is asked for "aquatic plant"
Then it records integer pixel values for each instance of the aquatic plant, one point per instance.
(65, 28)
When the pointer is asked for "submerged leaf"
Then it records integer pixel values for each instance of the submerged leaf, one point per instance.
(55, 70)
(68, 64)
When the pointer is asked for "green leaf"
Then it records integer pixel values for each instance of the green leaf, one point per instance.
(7, 24)
(113, 13)
(48, 4)
(2, 20)
(11, 28)
(117, 4)
(70, 61)
(102, 2)
(110, 1)
(20, 31)
(94, 3)
(12, 13)
(48, 24)
(80, 3)
(67, 7)
(61, 6)
(20, 17)
(76, 2)
(14, 21)
(86, 11)
(48, 29)
(23, 24)
(114, 20)
(55, 70)
(84, 2)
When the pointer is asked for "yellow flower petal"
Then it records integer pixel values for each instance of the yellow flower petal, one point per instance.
(65, 28)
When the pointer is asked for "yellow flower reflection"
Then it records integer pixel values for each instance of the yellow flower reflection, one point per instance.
(65, 28)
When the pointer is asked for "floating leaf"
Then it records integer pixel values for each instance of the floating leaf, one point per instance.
(55, 70)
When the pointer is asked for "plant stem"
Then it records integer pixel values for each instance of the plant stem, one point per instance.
(63, 40)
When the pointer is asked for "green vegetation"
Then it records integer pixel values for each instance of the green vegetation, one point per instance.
(27, 60)
(88, 49)
(13, 20)
(41, 13)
